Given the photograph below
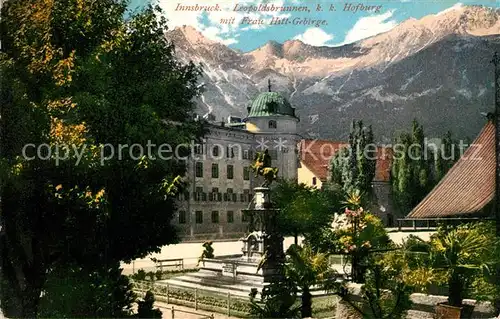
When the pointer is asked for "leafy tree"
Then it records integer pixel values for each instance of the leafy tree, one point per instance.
(83, 79)
(306, 268)
(303, 209)
(71, 291)
(353, 167)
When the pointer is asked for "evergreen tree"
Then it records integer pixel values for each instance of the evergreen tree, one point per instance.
(353, 167)
(417, 167)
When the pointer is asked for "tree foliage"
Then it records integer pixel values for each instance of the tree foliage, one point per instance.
(353, 167)
(82, 79)
(417, 166)
(303, 209)
(307, 268)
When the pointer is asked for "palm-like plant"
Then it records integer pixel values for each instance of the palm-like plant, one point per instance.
(308, 268)
(461, 255)
(278, 301)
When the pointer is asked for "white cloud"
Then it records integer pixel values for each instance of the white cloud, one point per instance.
(211, 26)
(315, 36)
(369, 26)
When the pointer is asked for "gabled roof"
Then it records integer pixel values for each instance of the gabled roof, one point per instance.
(316, 156)
(468, 186)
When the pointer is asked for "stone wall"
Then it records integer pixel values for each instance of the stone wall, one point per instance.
(423, 306)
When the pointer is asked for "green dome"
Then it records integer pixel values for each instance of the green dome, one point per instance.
(270, 104)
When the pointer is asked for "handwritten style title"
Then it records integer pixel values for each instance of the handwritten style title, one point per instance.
(269, 7)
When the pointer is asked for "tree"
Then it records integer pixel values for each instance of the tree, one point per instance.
(417, 167)
(82, 80)
(353, 167)
(303, 209)
(307, 268)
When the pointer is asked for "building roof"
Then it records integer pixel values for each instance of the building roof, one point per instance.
(468, 186)
(270, 104)
(316, 155)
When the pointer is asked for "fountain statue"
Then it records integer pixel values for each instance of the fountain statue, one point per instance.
(262, 251)
(263, 245)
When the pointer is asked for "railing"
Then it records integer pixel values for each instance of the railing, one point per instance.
(199, 299)
(432, 223)
(174, 311)
(215, 301)
(160, 263)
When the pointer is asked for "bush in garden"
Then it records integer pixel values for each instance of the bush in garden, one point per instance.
(385, 294)
(355, 233)
(145, 309)
(141, 275)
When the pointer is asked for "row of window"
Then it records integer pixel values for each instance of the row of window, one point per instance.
(215, 171)
(216, 151)
(216, 196)
(214, 217)
(231, 152)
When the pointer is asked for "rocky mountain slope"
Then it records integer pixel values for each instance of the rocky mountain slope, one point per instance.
(436, 69)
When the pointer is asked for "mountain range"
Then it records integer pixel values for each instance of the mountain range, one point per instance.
(436, 69)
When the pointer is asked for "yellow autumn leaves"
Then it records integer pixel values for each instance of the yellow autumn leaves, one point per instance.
(92, 199)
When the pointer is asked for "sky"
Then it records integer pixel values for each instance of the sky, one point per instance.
(348, 22)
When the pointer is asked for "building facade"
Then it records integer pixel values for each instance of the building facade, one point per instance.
(219, 176)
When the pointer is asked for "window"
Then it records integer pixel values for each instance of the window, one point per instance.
(246, 173)
(242, 198)
(246, 195)
(212, 196)
(314, 181)
(229, 152)
(272, 124)
(230, 196)
(204, 197)
(246, 154)
(182, 217)
(230, 171)
(199, 169)
(219, 197)
(215, 170)
(198, 149)
(215, 151)
(215, 217)
(230, 216)
(199, 217)
(199, 191)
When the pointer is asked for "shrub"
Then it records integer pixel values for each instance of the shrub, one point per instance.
(145, 309)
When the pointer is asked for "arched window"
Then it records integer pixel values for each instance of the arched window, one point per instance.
(272, 124)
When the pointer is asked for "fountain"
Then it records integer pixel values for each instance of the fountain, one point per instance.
(262, 248)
